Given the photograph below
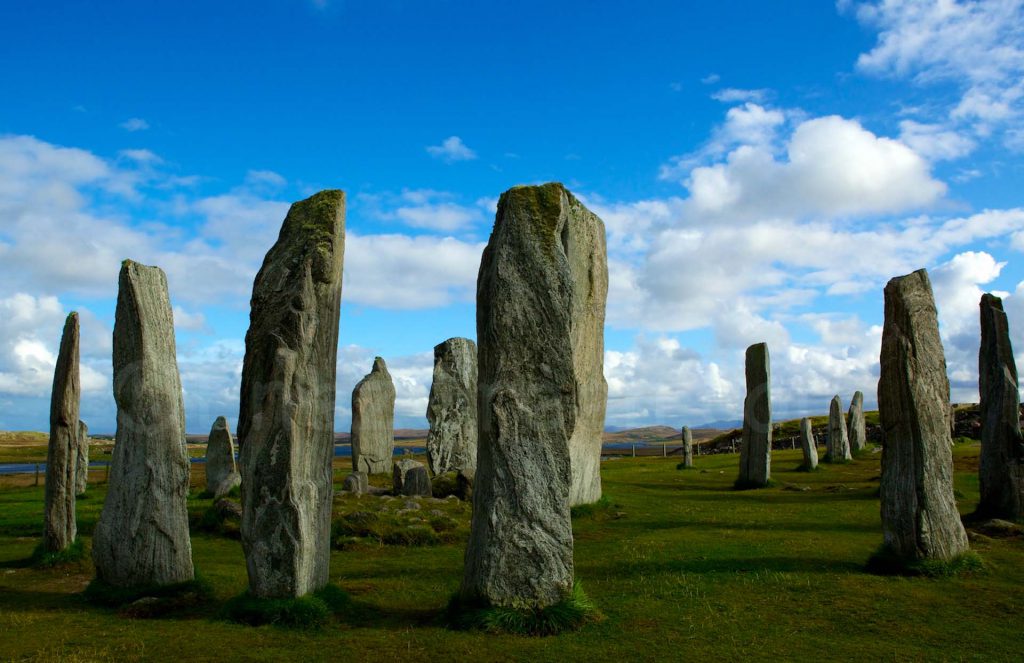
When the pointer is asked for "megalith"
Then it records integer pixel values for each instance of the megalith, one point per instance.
(373, 421)
(687, 447)
(220, 456)
(808, 444)
(451, 409)
(82, 460)
(60, 524)
(142, 536)
(856, 427)
(919, 512)
(756, 445)
(1001, 466)
(837, 445)
(286, 414)
(520, 550)
(410, 478)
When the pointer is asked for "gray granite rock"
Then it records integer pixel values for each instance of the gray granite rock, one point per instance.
(373, 421)
(756, 445)
(410, 478)
(687, 437)
(357, 483)
(919, 513)
(142, 537)
(82, 460)
(520, 550)
(451, 409)
(856, 427)
(220, 454)
(464, 484)
(60, 523)
(227, 484)
(286, 415)
(1001, 466)
(837, 444)
(808, 444)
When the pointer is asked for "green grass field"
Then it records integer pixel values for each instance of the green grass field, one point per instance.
(683, 568)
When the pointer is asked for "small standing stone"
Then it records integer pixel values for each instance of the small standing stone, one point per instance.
(464, 484)
(756, 449)
(220, 455)
(855, 424)
(919, 513)
(82, 460)
(410, 478)
(808, 444)
(1001, 466)
(61, 525)
(451, 409)
(286, 414)
(142, 536)
(837, 446)
(687, 447)
(357, 483)
(373, 421)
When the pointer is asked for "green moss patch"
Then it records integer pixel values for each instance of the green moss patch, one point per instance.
(886, 562)
(572, 613)
(43, 558)
(150, 600)
(312, 611)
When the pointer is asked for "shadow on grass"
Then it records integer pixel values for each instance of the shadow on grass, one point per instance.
(734, 565)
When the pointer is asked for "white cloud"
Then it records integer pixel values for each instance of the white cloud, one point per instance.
(183, 320)
(451, 149)
(424, 209)
(134, 124)
(731, 95)
(934, 142)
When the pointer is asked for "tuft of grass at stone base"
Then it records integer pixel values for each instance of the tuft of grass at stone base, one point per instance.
(887, 562)
(312, 611)
(43, 558)
(572, 613)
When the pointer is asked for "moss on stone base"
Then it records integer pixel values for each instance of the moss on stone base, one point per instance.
(885, 561)
(43, 558)
(312, 611)
(571, 613)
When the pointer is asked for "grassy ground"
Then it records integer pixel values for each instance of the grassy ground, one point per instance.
(682, 566)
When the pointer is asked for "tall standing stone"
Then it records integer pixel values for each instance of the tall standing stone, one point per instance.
(142, 536)
(60, 525)
(687, 447)
(808, 444)
(837, 446)
(756, 449)
(286, 415)
(855, 425)
(919, 513)
(82, 460)
(1001, 467)
(220, 455)
(520, 550)
(373, 421)
(451, 409)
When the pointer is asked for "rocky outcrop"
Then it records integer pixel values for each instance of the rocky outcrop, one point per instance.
(60, 523)
(82, 460)
(808, 444)
(520, 550)
(919, 512)
(687, 437)
(286, 417)
(373, 421)
(837, 445)
(142, 536)
(1001, 466)
(856, 427)
(410, 478)
(357, 483)
(451, 409)
(756, 447)
(220, 455)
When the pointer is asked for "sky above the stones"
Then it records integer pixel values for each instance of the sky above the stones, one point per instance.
(762, 170)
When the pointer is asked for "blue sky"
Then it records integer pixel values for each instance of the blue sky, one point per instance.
(762, 170)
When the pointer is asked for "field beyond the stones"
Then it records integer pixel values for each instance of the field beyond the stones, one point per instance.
(682, 566)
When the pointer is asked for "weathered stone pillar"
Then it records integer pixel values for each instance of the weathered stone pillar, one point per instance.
(60, 524)
(220, 459)
(286, 417)
(808, 444)
(142, 536)
(919, 513)
(687, 447)
(82, 460)
(855, 424)
(373, 421)
(451, 409)
(756, 449)
(837, 446)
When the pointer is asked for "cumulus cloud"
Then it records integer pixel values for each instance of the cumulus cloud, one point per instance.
(731, 95)
(134, 124)
(423, 209)
(451, 149)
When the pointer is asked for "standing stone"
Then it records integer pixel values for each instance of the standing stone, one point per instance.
(837, 445)
(409, 477)
(808, 444)
(357, 483)
(919, 513)
(451, 410)
(60, 525)
(520, 550)
(1001, 467)
(373, 421)
(220, 456)
(855, 424)
(687, 447)
(756, 449)
(286, 415)
(142, 536)
(82, 460)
